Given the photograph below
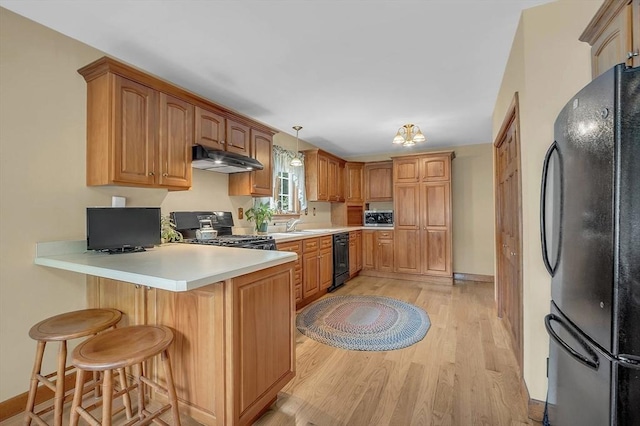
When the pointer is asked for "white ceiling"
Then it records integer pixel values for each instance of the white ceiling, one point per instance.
(351, 72)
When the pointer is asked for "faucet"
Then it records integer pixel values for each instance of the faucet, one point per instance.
(291, 225)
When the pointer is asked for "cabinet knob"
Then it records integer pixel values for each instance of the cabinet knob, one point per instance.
(165, 174)
(151, 174)
(632, 54)
(223, 142)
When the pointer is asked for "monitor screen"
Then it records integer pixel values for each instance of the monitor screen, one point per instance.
(117, 228)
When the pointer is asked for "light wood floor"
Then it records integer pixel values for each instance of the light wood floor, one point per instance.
(462, 373)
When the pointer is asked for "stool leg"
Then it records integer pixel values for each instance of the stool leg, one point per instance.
(171, 389)
(59, 398)
(107, 398)
(77, 398)
(126, 398)
(141, 402)
(33, 388)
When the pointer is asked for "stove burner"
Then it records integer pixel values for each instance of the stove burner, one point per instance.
(240, 241)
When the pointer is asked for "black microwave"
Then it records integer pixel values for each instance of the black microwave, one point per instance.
(378, 218)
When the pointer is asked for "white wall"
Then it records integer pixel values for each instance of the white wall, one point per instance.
(43, 195)
(547, 66)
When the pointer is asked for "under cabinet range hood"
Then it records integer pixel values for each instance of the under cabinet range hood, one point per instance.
(222, 161)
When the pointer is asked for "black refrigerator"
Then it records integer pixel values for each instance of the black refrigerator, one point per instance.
(590, 230)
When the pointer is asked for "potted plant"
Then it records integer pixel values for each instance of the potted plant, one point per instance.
(261, 214)
(169, 232)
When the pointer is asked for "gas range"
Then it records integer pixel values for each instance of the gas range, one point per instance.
(189, 222)
(240, 241)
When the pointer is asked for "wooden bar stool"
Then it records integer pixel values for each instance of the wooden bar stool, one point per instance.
(118, 349)
(60, 328)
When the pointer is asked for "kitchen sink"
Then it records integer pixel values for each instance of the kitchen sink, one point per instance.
(310, 231)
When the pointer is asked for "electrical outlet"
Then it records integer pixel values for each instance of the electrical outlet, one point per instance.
(240, 213)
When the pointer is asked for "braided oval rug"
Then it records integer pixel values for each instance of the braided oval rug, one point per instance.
(363, 323)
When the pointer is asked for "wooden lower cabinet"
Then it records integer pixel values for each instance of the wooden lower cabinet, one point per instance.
(262, 338)
(295, 247)
(317, 268)
(378, 250)
(234, 346)
(325, 256)
(355, 253)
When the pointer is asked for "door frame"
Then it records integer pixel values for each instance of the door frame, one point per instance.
(512, 116)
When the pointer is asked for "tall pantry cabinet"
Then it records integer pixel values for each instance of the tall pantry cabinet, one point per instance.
(422, 203)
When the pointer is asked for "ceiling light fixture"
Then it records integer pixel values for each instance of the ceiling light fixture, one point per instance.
(408, 135)
(296, 162)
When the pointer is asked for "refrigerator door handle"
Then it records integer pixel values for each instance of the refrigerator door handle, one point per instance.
(593, 363)
(543, 209)
(629, 361)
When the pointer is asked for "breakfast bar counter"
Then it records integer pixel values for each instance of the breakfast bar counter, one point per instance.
(173, 267)
(231, 309)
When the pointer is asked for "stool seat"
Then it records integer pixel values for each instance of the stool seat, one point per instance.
(118, 349)
(122, 347)
(72, 325)
(60, 329)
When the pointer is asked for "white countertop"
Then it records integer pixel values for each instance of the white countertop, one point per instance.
(313, 233)
(173, 267)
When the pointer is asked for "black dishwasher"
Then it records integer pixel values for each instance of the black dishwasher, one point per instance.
(340, 260)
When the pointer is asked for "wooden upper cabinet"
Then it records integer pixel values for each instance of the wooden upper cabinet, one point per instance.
(336, 180)
(238, 137)
(324, 175)
(176, 137)
(261, 148)
(258, 182)
(378, 181)
(406, 170)
(354, 183)
(210, 129)
(341, 190)
(614, 35)
(435, 168)
(323, 179)
(135, 135)
(140, 129)
(216, 131)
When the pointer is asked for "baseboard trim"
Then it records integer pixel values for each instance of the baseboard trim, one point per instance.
(535, 410)
(17, 404)
(428, 279)
(473, 277)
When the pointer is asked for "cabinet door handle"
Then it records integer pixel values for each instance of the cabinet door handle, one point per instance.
(632, 54)
(151, 174)
(165, 174)
(223, 142)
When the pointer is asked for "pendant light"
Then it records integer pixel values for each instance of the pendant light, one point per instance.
(296, 162)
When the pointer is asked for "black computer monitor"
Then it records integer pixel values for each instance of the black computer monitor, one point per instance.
(122, 229)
